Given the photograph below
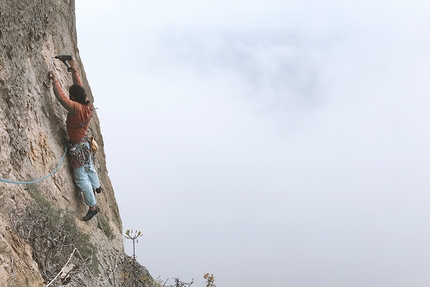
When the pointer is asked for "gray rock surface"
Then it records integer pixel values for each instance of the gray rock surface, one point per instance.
(32, 142)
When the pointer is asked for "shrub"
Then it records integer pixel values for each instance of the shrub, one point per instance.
(53, 235)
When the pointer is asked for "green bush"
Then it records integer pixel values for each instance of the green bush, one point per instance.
(104, 225)
(53, 235)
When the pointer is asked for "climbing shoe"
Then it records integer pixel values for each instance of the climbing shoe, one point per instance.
(99, 190)
(90, 214)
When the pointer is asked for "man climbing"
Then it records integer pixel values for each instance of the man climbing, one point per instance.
(78, 119)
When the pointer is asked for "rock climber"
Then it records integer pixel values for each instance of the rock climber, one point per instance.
(78, 119)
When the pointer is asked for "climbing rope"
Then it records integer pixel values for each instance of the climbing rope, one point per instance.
(62, 269)
(39, 179)
(100, 282)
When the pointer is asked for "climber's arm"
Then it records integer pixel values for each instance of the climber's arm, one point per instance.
(75, 73)
(59, 93)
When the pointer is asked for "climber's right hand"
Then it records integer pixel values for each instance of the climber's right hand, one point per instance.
(72, 63)
(52, 75)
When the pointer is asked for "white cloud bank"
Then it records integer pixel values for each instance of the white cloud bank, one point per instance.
(279, 143)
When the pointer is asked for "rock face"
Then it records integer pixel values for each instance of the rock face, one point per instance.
(32, 144)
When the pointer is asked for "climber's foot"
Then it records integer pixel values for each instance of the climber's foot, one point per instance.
(90, 214)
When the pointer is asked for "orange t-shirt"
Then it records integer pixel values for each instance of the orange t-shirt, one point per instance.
(78, 120)
(78, 124)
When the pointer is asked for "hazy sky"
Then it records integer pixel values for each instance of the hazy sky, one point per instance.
(271, 143)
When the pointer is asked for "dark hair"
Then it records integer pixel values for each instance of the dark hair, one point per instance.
(78, 93)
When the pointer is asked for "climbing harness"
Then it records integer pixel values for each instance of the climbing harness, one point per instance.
(40, 179)
(80, 155)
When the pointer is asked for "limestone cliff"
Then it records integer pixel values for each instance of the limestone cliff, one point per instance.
(36, 238)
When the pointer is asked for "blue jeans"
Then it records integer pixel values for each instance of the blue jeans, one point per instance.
(87, 180)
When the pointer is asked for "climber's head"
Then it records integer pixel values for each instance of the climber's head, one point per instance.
(77, 94)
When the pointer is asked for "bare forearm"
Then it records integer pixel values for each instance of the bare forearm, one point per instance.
(75, 74)
(59, 94)
(58, 91)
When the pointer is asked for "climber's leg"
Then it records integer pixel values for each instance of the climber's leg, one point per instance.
(83, 182)
(93, 177)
